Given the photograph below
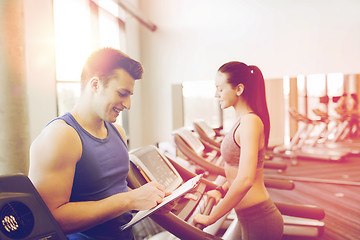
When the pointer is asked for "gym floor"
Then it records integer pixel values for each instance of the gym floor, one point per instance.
(334, 186)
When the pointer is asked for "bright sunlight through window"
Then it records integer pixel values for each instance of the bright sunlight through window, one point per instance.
(72, 37)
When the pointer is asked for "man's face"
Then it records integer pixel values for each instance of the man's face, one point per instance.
(111, 99)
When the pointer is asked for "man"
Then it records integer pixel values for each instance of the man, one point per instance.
(79, 162)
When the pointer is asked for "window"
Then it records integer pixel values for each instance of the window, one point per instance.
(286, 92)
(335, 88)
(111, 29)
(316, 88)
(319, 91)
(200, 103)
(81, 27)
(314, 91)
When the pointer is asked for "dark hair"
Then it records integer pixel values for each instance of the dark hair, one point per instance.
(254, 89)
(104, 61)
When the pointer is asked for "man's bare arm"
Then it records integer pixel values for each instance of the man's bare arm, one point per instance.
(53, 157)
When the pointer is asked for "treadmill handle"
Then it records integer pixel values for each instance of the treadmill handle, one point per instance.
(209, 205)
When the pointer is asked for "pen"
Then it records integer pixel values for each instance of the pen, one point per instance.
(143, 174)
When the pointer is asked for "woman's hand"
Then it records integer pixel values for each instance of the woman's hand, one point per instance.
(204, 220)
(214, 194)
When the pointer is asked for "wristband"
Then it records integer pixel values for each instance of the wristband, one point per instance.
(221, 190)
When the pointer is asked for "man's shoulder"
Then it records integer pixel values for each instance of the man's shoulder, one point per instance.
(121, 131)
(57, 131)
(57, 141)
(59, 127)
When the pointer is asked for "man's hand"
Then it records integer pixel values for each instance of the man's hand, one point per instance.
(148, 196)
(166, 208)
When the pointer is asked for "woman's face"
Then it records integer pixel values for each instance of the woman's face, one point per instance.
(224, 91)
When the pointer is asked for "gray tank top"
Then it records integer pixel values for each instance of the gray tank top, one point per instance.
(230, 149)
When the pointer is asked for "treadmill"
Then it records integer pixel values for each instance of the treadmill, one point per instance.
(158, 168)
(207, 156)
(300, 220)
(340, 129)
(298, 148)
(207, 133)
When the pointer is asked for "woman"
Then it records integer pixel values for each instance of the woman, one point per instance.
(242, 87)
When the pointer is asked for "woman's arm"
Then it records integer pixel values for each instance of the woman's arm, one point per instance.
(248, 134)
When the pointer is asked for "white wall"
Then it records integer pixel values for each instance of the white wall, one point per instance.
(281, 37)
(135, 132)
(193, 39)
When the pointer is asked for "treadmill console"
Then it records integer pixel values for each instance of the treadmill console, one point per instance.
(191, 140)
(154, 166)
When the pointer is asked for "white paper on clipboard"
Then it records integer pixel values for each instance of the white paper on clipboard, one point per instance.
(183, 189)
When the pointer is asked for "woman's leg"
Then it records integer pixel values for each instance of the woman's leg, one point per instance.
(262, 221)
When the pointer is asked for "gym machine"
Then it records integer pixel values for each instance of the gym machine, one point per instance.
(299, 148)
(178, 221)
(23, 213)
(148, 164)
(207, 133)
(205, 155)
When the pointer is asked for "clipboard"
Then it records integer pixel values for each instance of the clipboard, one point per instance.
(183, 189)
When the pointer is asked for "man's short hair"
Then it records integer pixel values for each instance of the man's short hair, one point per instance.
(104, 61)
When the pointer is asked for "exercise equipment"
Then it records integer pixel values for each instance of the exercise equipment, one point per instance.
(299, 147)
(207, 133)
(212, 137)
(23, 213)
(316, 180)
(157, 167)
(207, 157)
(339, 131)
(202, 155)
(299, 220)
